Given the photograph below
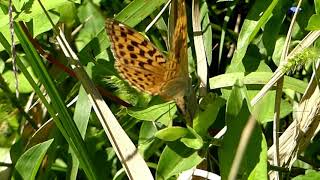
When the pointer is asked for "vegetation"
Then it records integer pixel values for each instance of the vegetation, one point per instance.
(65, 112)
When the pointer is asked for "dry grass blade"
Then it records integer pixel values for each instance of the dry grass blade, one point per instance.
(277, 105)
(202, 67)
(306, 125)
(133, 163)
(306, 42)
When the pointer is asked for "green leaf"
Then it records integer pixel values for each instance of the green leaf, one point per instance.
(138, 10)
(264, 109)
(310, 175)
(33, 9)
(207, 117)
(81, 118)
(29, 163)
(172, 133)
(272, 30)
(163, 113)
(18, 4)
(2, 66)
(93, 22)
(192, 140)
(24, 86)
(64, 121)
(207, 30)
(148, 144)
(317, 6)
(314, 23)
(251, 26)
(68, 13)
(175, 158)
(186, 135)
(254, 162)
(228, 80)
(41, 24)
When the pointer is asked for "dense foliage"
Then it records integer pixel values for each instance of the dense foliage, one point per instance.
(56, 126)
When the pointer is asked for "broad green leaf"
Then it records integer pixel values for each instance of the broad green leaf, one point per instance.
(192, 139)
(254, 78)
(29, 163)
(309, 175)
(34, 9)
(68, 14)
(279, 44)
(93, 22)
(272, 30)
(148, 144)
(254, 162)
(176, 158)
(41, 23)
(207, 117)
(264, 109)
(24, 86)
(18, 4)
(163, 113)
(314, 23)
(172, 133)
(251, 26)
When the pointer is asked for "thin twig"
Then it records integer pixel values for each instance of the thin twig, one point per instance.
(13, 50)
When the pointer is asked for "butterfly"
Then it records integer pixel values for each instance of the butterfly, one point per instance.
(144, 66)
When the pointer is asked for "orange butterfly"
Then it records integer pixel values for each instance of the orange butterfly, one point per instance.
(145, 67)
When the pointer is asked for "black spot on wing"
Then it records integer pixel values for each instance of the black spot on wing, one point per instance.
(122, 53)
(152, 52)
(122, 34)
(133, 56)
(141, 52)
(120, 46)
(144, 43)
(141, 64)
(130, 32)
(130, 47)
(149, 61)
(134, 43)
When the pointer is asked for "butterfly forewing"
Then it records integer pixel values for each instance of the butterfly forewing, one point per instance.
(137, 59)
(179, 85)
(144, 66)
(178, 35)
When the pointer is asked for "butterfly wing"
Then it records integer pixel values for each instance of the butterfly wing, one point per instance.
(137, 59)
(177, 84)
(178, 35)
